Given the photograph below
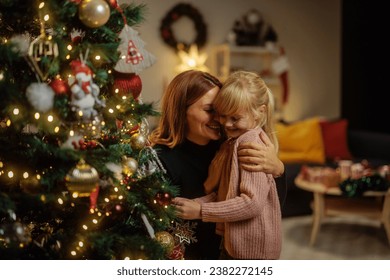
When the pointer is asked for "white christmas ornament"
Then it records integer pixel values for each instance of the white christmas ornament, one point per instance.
(85, 93)
(40, 96)
(22, 43)
(133, 58)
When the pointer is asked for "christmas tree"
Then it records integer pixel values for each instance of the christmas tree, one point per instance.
(78, 178)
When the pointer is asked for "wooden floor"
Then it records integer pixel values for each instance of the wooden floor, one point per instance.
(338, 239)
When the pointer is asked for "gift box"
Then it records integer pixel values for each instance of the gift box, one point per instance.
(325, 175)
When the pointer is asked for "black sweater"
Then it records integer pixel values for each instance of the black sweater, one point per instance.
(187, 166)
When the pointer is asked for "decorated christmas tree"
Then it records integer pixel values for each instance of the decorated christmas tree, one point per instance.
(78, 178)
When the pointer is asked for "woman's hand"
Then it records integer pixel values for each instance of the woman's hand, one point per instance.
(255, 157)
(187, 208)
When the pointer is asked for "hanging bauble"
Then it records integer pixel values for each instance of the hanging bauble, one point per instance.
(59, 86)
(177, 252)
(85, 97)
(133, 56)
(129, 165)
(144, 127)
(40, 96)
(82, 179)
(163, 198)
(138, 141)
(42, 53)
(166, 240)
(184, 232)
(94, 13)
(126, 84)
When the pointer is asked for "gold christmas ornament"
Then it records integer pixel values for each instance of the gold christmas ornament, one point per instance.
(166, 240)
(94, 13)
(137, 141)
(129, 165)
(42, 53)
(82, 179)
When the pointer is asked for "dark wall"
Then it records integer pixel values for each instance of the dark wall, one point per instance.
(366, 64)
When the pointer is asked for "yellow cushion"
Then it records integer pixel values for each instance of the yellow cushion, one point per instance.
(301, 141)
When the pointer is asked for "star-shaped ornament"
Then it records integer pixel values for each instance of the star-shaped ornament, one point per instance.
(184, 232)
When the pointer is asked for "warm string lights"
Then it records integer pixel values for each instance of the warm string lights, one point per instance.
(13, 173)
(80, 208)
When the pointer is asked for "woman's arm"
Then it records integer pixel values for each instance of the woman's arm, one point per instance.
(264, 158)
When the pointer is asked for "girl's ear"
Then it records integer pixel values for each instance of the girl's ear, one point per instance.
(263, 109)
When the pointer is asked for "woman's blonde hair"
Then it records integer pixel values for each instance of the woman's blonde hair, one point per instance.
(183, 91)
(247, 91)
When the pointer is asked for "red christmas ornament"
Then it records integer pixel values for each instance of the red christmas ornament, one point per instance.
(163, 199)
(177, 252)
(93, 198)
(77, 36)
(113, 3)
(127, 83)
(59, 86)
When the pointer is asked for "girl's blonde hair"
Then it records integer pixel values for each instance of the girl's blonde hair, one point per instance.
(247, 91)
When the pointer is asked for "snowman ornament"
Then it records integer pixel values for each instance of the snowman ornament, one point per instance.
(84, 92)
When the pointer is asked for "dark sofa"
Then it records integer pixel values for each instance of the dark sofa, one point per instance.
(371, 146)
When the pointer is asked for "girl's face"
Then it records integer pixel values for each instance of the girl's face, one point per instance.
(201, 125)
(237, 124)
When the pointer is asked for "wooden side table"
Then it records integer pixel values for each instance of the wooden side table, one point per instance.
(374, 205)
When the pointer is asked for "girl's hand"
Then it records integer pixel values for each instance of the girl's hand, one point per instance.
(187, 209)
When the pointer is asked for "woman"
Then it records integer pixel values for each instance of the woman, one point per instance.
(187, 138)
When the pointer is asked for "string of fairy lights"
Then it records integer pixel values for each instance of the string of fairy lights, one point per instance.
(53, 123)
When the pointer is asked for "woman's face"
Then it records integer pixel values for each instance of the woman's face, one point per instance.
(201, 125)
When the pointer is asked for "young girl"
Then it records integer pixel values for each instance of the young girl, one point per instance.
(244, 204)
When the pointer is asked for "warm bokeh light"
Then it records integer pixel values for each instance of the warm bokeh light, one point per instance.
(191, 60)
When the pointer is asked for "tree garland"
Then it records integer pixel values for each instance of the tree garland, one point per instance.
(173, 15)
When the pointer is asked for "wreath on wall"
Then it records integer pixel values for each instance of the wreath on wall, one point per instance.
(176, 13)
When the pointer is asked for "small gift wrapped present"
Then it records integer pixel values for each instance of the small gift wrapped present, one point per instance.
(324, 175)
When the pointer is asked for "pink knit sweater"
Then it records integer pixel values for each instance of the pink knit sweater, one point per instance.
(250, 217)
